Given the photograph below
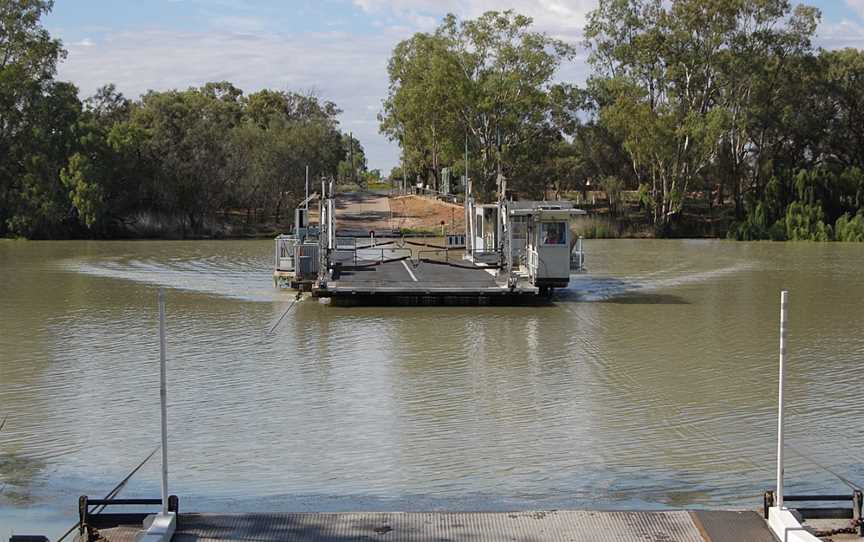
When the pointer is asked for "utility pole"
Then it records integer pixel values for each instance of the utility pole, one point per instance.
(307, 189)
(498, 133)
(466, 162)
(351, 154)
(404, 166)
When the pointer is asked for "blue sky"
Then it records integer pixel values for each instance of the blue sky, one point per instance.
(335, 48)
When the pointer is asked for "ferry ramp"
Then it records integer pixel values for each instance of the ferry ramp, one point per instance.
(406, 281)
(552, 526)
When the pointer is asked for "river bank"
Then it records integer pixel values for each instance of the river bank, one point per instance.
(412, 215)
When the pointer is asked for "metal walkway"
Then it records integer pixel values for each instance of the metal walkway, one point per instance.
(402, 282)
(569, 526)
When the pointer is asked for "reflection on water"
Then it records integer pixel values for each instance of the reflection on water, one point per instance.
(650, 383)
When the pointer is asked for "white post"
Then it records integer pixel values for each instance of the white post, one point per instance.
(307, 191)
(163, 399)
(784, 307)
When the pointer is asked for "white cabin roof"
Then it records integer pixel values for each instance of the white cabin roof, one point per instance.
(545, 210)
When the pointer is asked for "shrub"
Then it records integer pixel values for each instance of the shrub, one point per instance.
(850, 229)
(595, 227)
(805, 222)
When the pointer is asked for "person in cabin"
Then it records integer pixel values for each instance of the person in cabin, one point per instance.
(554, 234)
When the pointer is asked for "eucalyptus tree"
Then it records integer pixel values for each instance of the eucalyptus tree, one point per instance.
(186, 138)
(683, 75)
(487, 80)
(106, 175)
(33, 110)
(352, 166)
(421, 110)
(766, 77)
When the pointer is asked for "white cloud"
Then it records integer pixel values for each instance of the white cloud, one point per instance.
(840, 35)
(560, 18)
(857, 5)
(347, 69)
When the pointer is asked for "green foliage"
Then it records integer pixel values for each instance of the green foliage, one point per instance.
(645, 199)
(352, 169)
(758, 226)
(597, 227)
(111, 166)
(850, 229)
(721, 102)
(485, 82)
(86, 192)
(667, 77)
(395, 175)
(36, 116)
(613, 186)
(806, 222)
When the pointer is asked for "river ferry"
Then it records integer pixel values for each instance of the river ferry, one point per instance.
(511, 252)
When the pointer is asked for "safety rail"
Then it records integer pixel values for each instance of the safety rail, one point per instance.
(284, 256)
(85, 515)
(346, 243)
(369, 255)
(433, 254)
(853, 513)
(484, 256)
(532, 262)
(577, 257)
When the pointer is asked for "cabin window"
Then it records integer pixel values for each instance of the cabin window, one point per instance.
(553, 233)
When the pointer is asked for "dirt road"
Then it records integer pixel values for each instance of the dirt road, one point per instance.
(362, 212)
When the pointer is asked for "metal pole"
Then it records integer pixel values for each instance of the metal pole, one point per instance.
(784, 307)
(351, 152)
(163, 399)
(466, 157)
(307, 192)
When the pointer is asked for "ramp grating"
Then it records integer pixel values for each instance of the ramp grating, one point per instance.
(556, 526)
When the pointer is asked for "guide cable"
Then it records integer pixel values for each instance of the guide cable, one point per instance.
(114, 492)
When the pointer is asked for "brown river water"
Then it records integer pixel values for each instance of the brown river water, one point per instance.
(650, 383)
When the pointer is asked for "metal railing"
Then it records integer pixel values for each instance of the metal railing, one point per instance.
(284, 255)
(369, 255)
(533, 262)
(577, 257)
(86, 516)
(433, 254)
(484, 256)
(346, 243)
(853, 512)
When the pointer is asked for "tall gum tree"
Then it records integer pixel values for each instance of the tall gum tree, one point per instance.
(486, 80)
(31, 104)
(681, 88)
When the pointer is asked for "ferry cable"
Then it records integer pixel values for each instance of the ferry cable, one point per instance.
(810, 459)
(374, 264)
(460, 266)
(2, 425)
(114, 492)
(425, 245)
(376, 245)
(849, 483)
(284, 314)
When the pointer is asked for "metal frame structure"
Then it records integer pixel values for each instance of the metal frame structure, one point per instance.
(510, 244)
(531, 262)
